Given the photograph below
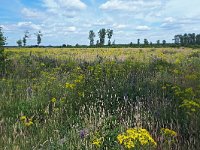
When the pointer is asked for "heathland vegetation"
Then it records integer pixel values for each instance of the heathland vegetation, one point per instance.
(100, 98)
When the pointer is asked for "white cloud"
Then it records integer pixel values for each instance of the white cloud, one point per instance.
(131, 5)
(28, 26)
(30, 13)
(101, 22)
(182, 8)
(119, 26)
(55, 5)
(143, 28)
(71, 29)
(169, 20)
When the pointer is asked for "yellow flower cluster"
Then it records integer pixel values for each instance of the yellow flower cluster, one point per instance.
(79, 79)
(97, 142)
(26, 121)
(53, 100)
(135, 137)
(169, 133)
(70, 85)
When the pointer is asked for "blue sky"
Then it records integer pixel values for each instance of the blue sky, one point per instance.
(69, 21)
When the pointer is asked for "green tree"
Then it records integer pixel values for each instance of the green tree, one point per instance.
(146, 42)
(39, 37)
(138, 41)
(158, 42)
(193, 36)
(198, 39)
(26, 35)
(176, 39)
(102, 35)
(164, 42)
(185, 39)
(91, 37)
(2, 53)
(19, 43)
(109, 34)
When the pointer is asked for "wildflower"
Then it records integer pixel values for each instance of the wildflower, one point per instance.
(129, 144)
(120, 138)
(70, 86)
(168, 132)
(53, 100)
(136, 136)
(79, 79)
(97, 142)
(22, 118)
(28, 123)
(83, 133)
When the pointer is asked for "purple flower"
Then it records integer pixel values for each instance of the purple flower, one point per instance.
(83, 133)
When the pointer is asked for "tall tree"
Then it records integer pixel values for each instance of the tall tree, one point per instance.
(193, 38)
(2, 53)
(102, 35)
(109, 33)
(91, 37)
(26, 35)
(176, 39)
(146, 42)
(185, 39)
(39, 37)
(138, 41)
(198, 39)
(19, 43)
(158, 42)
(164, 42)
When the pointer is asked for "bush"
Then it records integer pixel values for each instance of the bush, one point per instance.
(2, 53)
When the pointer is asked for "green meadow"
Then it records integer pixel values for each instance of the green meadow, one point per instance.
(100, 99)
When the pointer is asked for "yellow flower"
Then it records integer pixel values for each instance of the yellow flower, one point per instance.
(168, 132)
(70, 86)
(29, 123)
(120, 138)
(53, 100)
(97, 142)
(129, 144)
(79, 79)
(136, 136)
(23, 118)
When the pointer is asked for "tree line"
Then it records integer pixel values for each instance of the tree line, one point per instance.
(102, 35)
(187, 39)
(27, 35)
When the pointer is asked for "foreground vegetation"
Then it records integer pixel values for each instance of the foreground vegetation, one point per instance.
(100, 99)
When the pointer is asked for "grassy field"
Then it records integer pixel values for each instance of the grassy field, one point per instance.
(109, 99)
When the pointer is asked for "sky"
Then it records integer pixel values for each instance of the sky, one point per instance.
(69, 21)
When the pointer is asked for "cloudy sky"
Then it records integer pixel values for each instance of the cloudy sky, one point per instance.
(69, 21)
